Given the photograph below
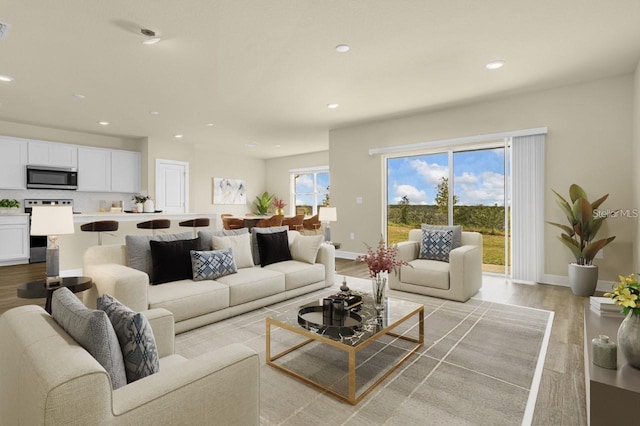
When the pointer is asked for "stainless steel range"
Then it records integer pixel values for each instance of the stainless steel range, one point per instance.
(38, 244)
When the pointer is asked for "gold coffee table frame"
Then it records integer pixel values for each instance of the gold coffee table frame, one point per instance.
(351, 351)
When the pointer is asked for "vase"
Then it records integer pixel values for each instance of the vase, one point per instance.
(280, 211)
(583, 279)
(629, 339)
(139, 207)
(379, 284)
(149, 207)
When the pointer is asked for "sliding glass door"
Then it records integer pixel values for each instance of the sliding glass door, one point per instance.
(467, 187)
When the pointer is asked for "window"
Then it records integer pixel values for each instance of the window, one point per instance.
(310, 189)
(462, 186)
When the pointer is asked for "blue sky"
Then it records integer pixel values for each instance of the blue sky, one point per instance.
(478, 177)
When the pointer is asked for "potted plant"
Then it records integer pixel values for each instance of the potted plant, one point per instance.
(279, 204)
(263, 202)
(579, 235)
(140, 201)
(9, 206)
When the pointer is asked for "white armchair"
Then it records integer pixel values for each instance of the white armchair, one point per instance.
(458, 279)
(48, 378)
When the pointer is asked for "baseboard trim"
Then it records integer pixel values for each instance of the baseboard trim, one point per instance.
(347, 254)
(563, 280)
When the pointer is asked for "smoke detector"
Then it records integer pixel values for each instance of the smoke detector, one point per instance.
(4, 30)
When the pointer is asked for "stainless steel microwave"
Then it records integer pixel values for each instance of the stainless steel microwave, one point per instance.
(45, 177)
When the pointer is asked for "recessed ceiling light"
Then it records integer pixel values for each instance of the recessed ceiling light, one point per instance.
(78, 96)
(333, 106)
(209, 124)
(154, 112)
(152, 40)
(343, 48)
(6, 78)
(494, 65)
(252, 144)
(103, 123)
(178, 136)
(150, 36)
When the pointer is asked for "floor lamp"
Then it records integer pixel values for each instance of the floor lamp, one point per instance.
(327, 215)
(52, 221)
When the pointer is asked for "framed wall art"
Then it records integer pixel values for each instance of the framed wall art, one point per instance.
(229, 191)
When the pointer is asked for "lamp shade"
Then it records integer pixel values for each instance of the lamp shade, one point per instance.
(328, 214)
(51, 220)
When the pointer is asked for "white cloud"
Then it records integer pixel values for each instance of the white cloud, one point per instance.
(432, 173)
(415, 195)
(487, 189)
(304, 183)
(466, 177)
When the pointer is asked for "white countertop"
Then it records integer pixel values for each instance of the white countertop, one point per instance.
(134, 217)
(13, 214)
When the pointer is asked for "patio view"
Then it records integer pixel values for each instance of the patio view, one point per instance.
(418, 192)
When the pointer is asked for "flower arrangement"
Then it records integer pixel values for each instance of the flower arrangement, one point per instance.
(383, 259)
(627, 294)
(278, 203)
(137, 198)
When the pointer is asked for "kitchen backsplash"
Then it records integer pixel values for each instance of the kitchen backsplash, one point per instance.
(83, 202)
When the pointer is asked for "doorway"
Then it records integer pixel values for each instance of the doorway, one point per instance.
(172, 186)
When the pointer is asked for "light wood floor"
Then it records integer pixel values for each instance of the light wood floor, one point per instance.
(561, 396)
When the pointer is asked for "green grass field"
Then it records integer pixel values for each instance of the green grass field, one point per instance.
(492, 246)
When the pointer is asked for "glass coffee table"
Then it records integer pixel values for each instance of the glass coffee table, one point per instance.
(372, 328)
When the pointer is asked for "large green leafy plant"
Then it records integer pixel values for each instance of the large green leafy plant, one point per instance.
(263, 202)
(583, 224)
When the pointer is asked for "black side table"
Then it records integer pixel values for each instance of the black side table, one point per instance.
(38, 289)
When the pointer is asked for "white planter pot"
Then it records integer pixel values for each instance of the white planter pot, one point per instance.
(139, 207)
(149, 206)
(9, 210)
(583, 279)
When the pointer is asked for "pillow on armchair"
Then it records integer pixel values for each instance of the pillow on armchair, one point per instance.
(436, 245)
(135, 336)
(92, 330)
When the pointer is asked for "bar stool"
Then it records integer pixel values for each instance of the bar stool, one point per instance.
(154, 224)
(100, 227)
(199, 222)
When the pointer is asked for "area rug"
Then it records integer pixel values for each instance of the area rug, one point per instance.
(481, 363)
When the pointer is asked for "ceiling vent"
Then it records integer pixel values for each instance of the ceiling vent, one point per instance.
(4, 30)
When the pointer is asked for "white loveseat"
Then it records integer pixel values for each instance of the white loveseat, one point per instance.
(198, 303)
(458, 279)
(49, 379)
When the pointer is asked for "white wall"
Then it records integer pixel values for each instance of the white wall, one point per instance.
(589, 143)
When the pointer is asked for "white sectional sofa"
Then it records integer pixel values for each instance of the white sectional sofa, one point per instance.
(197, 303)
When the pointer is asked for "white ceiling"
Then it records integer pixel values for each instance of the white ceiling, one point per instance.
(263, 71)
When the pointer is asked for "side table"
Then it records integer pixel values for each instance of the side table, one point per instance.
(38, 289)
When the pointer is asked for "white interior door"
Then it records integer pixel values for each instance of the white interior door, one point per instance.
(172, 186)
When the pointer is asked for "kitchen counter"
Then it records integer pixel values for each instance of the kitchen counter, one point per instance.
(73, 246)
(139, 217)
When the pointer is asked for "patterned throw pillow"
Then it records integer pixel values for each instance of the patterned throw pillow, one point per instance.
(436, 245)
(135, 336)
(457, 232)
(209, 265)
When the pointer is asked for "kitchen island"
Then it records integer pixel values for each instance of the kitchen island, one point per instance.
(73, 246)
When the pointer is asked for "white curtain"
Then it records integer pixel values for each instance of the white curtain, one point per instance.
(527, 212)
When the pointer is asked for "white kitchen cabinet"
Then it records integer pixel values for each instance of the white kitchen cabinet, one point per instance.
(13, 161)
(52, 154)
(125, 171)
(14, 239)
(94, 169)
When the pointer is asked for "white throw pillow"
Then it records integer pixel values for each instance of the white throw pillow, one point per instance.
(305, 247)
(241, 245)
